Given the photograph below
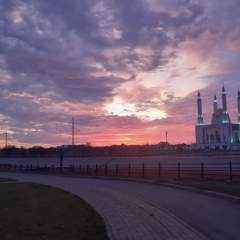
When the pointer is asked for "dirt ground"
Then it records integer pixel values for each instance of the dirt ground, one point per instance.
(222, 186)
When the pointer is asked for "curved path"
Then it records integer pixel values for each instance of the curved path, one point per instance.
(134, 210)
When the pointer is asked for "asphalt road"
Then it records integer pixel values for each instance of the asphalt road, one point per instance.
(214, 217)
(124, 160)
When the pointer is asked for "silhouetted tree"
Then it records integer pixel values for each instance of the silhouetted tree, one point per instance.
(37, 151)
(22, 151)
(9, 150)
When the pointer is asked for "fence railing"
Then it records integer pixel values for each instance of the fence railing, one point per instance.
(228, 171)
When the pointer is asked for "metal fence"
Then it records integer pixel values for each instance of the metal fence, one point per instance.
(228, 171)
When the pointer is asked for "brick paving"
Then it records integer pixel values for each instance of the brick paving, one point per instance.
(131, 218)
(126, 217)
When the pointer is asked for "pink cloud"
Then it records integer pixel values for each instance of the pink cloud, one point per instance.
(87, 87)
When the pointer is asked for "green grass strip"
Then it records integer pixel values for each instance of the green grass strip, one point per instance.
(6, 180)
(35, 211)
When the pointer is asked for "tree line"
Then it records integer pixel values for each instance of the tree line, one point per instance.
(87, 150)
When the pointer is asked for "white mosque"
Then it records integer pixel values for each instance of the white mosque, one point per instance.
(221, 133)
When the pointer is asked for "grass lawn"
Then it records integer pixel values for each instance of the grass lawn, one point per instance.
(220, 186)
(6, 180)
(35, 211)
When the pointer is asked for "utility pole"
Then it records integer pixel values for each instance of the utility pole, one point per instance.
(72, 122)
(6, 139)
(166, 136)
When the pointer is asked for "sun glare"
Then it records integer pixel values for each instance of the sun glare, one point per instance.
(122, 108)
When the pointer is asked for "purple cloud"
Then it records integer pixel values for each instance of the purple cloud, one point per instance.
(60, 59)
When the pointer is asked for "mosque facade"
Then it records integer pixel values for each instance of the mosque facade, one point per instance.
(221, 133)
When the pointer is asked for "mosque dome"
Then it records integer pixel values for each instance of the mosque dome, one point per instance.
(217, 114)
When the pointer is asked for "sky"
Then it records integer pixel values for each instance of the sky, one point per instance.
(124, 72)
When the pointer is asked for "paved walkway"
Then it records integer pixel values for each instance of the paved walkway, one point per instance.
(126, 217)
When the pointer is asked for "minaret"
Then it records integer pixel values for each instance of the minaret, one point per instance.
(215, 105)
(199, 128)
(224, 100)
(238, 100)
(199, 106)
(224, 106)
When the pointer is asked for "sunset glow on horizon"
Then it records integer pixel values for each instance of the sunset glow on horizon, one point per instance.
(126, 71)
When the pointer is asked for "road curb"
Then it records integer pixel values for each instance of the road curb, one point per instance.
(205, 192)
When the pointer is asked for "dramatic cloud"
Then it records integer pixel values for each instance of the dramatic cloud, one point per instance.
(127, 71)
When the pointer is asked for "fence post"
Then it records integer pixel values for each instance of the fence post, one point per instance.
(87, 169)
(96, 170)
(116, 169)
(15, 166)
(202, 171)
(159, 170)
(27, 166)
(61, 161)
(106, 169)
(73, 168)
(179, 170)
(230, 170)
(21, 167)
(80, 168)
(129, 166)
(143, 170)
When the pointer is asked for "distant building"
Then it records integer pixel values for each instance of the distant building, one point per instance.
(221, 133)
(163, 145)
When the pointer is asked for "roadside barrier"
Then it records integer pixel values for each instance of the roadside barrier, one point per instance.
(228, 171)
